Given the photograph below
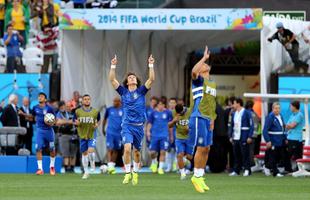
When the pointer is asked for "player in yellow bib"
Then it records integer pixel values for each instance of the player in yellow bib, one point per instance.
(180, 121)
(87, 120)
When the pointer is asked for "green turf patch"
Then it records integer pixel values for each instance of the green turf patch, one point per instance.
(150, 187)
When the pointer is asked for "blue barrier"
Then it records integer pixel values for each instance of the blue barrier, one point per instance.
(27, 164)
(13, 164)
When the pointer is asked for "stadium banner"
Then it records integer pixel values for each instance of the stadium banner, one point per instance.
(161, 19)
(295, 15)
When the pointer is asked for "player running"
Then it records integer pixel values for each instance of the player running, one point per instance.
(87, 119)
(201, 122)
(180, 120)
(113, 119)
(158, 134)
(45, 133)
(134, 115)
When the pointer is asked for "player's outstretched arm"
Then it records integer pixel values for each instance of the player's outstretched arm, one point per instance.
(198, 67)
(151, 78)
(112, 76)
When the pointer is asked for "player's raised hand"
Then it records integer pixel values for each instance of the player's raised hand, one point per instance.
(114, 60)
(206, 53)
(151, 60)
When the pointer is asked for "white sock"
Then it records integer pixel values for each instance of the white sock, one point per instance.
(92, 157)
(182, 171)
(201, 172)
(154, 161)
(198, 172)
(39, 164)
(52, 162)
(161, 165)
(127, 168)
(111, 164)
(136, 166)
(169, 160)
(85, 163)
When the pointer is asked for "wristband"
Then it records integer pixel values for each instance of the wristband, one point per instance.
(113, 66)
(151, 65)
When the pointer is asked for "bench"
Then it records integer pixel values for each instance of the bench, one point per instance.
(303, 163)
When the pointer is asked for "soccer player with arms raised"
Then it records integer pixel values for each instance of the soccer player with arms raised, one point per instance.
(201, 122)
(134, 115)
(45, 133)
(87, 120)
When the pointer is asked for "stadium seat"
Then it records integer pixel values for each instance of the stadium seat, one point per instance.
(2, 59)
(32, 42)
(259, 159)
(303, 163)
(33, 59)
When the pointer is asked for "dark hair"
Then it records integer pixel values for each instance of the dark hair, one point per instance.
(85, 95)
(126, 80)
(173, 99)
(163, 99)
(154, 98)
(249, 104)
(49, 25)
(9, 25)
(179, 108)
(296, 104)
(42, 93)
(239, 101)
(61, 103)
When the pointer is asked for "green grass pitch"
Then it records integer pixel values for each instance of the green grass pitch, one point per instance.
(150, 187)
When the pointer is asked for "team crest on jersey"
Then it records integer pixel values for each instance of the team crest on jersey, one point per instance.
(44, 111)
(120, 113)
(200, 140)
(135, 95)
(164, 116)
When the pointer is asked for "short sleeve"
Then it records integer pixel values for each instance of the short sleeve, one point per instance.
(59, 116)
(74, 116)
(121, 90)
(198, 81)
(151, 118)
(143, 90)
(33, 111)
(106, 114)
(170, 117)
(5, 37)
(298, 119)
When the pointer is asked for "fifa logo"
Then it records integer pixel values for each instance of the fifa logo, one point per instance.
(211, 91)
(86, 120)
(183, 122)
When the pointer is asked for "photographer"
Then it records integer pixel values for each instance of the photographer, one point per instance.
(68, 138)
(12, 40)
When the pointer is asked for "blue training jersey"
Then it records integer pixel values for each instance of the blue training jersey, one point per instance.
(39, 112)
(134, 111)
(114, 117)
(159, 121)
(197, 90)
(149, 111)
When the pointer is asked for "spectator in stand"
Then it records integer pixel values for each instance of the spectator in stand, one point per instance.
(57, 11)
(12, 40)
(26, 121)
(288, 39)
(79, 3)
(2, 15)
(75, 102)
(294, 134)
(68, 139)
(275, 138)
(18, 16)
(9, 115)
(47, 37)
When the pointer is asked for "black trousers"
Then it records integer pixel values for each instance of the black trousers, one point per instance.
(241, 156)
(278, 156)
(294, 54)
(295, 149)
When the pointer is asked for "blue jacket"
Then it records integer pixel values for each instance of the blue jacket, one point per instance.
(247, 126)
(273, 131)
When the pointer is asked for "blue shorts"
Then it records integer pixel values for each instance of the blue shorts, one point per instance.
(45, 138)
(132, 134)
(159, 144)
(183, 147)
(199, 133)
(85, 144)
(114, 142)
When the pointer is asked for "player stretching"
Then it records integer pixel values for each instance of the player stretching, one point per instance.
(45, 133)
(201, 122)
(113, 119)
(180, 120)
(87, 119)
(134, 115)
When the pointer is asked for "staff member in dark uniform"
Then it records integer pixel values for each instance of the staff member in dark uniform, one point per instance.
(26, 120)
(241, 134)
(288, 39)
